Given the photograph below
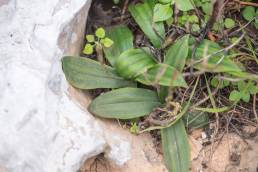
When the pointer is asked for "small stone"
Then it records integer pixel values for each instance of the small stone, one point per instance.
(204, 135)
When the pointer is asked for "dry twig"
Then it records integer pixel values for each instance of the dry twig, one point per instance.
(124, 10)
(247, 3)
(254, 108)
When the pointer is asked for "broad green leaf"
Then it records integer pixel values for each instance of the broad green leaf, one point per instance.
(184, 5)
(175, 57)
(85, 73)
(176, 148)
(229, 23)
(100, 32)
(123, 40)
(212, 110)
(235, 96)
(211, 48)
(134, 62)
(177, 54)
(196, 119)
(163, 93)
(143, 15)
(164, 75)
(215, 63)
(90, 38)
(166, 1)
(170, 21)
(162, 12)
(125, 103)
(107, 42)
(244, 75)
(88, 49)
(227, 65)
(248, 13)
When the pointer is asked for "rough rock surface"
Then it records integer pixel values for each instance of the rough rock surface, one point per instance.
(143, 152)
(41, 128)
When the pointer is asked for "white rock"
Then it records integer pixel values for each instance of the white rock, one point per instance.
(204, 135)
(42, 129)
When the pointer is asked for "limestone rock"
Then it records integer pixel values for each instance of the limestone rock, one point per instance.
(42, 128)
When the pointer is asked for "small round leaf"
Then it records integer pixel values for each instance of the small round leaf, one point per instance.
(90, 38)
(229, 23)
(241, 85)
(100, 33)
(245, 96)
(107, 42)
(235, 95)
(88, 49)
(207, 7)
(253, 89)
(195, 28)
(214, 82)
(193, 19)
(233, 40)
(216, 26)
(248, 13)
(225, 83)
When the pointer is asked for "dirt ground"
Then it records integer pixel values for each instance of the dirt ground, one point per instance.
(231, 154)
